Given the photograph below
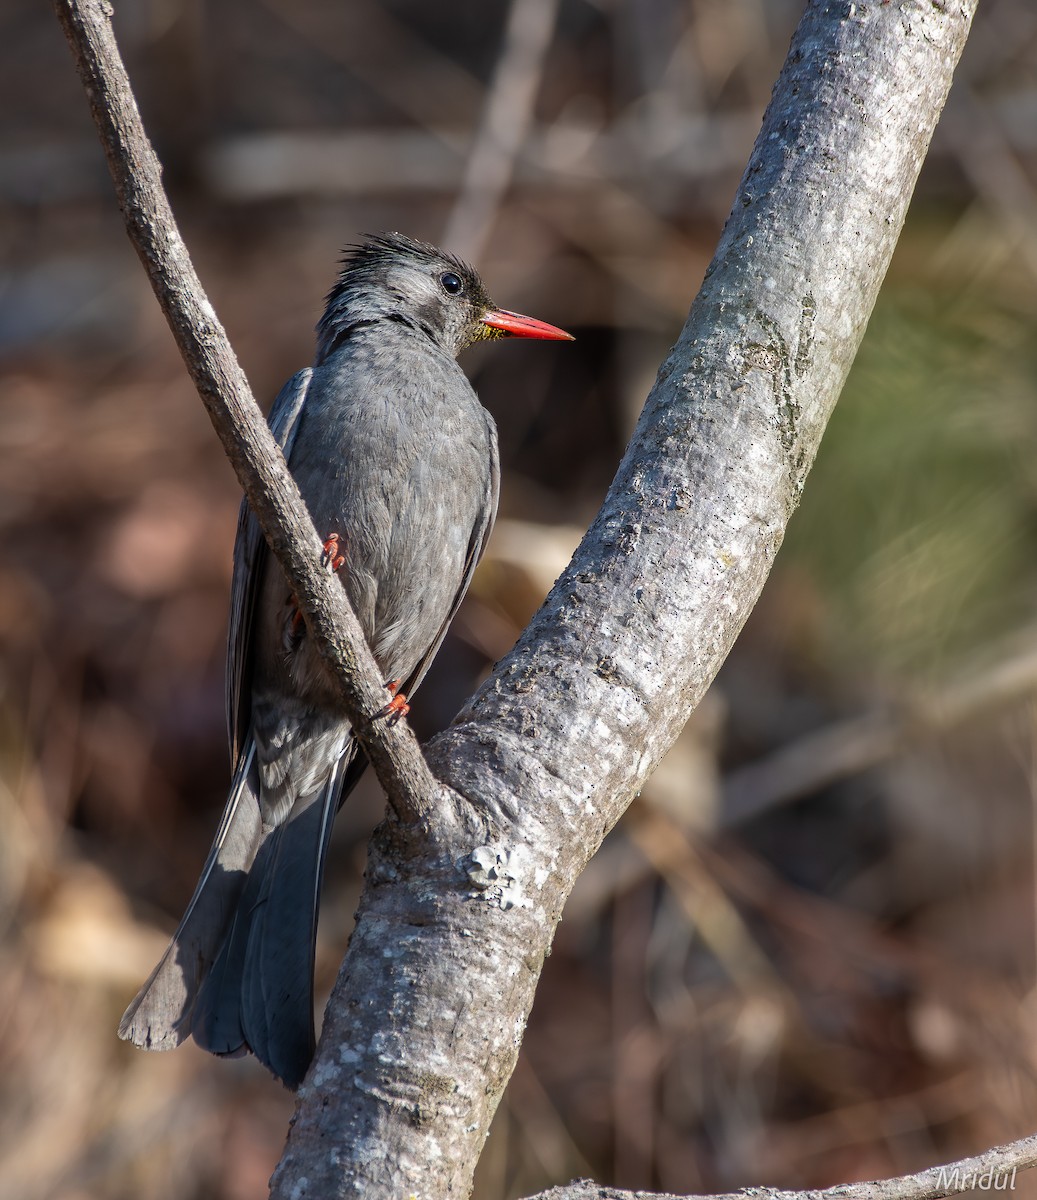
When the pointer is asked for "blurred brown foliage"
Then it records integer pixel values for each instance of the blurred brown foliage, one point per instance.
(807, 955)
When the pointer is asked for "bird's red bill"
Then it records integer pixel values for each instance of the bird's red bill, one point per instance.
(516, 325)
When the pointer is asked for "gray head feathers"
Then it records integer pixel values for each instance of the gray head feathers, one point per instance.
(396, 279)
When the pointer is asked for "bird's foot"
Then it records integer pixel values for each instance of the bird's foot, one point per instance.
(397, 706)
(332, 558)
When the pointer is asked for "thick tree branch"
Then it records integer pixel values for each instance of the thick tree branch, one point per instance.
(566, 730)
(225, 392)
(570, 724)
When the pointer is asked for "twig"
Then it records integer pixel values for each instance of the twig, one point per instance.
(221, 383)
(995, 1169)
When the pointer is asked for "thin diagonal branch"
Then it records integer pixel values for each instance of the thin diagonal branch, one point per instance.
(238, 422)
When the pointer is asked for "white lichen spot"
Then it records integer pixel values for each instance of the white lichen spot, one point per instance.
(770, 283)
(494, 870)
(483, 863)
(323, 1075)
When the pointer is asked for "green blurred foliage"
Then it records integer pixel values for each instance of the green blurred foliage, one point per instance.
(919, 519)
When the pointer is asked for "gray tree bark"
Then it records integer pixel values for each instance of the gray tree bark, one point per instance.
(468, 875)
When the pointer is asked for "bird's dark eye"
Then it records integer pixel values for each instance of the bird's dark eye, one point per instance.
(452, 283)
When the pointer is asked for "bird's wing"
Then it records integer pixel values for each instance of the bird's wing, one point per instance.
(250, 550)
(476, 549)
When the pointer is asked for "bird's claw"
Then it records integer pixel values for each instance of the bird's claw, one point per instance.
(332, 558)
(397, 706)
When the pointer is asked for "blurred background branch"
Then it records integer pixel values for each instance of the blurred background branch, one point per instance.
(507, 113)
(847, 990)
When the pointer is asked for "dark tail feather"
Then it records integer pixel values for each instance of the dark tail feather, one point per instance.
(160, 1016)
(258, 995)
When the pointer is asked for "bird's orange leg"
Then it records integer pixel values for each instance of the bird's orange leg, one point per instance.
(397, 706)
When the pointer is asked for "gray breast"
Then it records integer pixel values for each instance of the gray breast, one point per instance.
(395, 454)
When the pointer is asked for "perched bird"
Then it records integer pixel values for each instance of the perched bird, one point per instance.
(397, 462)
